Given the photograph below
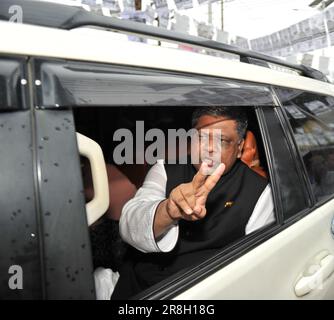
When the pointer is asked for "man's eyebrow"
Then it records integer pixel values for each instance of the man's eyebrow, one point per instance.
(221, 135)
(211, 123)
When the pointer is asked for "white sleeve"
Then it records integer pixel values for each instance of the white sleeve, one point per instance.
(263, 213)
(137, 218)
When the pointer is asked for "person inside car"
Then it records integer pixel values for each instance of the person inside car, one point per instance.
(108, 248)
(184, 213)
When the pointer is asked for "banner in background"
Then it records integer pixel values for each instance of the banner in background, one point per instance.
(304, 36)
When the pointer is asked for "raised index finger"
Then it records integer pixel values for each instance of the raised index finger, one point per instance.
(212, 180)
(201, 176)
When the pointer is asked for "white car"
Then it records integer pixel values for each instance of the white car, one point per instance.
(66, 88)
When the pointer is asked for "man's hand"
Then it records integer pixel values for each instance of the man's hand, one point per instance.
(187, 201)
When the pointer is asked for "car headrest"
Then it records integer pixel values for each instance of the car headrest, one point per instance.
(250, 154)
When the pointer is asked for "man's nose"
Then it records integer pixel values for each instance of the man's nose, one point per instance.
(211, 145)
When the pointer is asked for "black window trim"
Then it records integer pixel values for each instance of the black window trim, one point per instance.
(269, 157)
(263, 88)
(36, 173)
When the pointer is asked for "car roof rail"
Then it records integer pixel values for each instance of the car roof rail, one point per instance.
(56, 15)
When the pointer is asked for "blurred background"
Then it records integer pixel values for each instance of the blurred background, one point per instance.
(299, 31)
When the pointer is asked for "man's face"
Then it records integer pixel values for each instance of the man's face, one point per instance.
(219, 141)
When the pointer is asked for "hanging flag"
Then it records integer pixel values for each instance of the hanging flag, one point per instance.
(161, 7)
(205, 30)
(307, 59)
(160, 4)
(222, 36)
(164, 17)
(324, 64)
(292, 59)
(91, 3)
(127, 5)
(275, 41)
(181, 24)
(241, 42)
(183, 4)
(329, 15)
(112, 5)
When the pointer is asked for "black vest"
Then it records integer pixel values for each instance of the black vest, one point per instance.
(229, 207)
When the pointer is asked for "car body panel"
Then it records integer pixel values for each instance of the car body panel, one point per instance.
(271, 270)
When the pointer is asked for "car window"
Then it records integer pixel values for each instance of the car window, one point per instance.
(101, 124)
(312, 120)
(126, 117)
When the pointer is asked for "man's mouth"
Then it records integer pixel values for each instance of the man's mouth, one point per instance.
(209, 162)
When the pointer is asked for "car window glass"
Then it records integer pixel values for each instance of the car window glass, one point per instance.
(312, 120)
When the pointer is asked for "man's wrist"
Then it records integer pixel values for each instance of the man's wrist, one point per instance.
(173, 219)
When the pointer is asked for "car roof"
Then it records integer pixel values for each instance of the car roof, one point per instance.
(60, 40)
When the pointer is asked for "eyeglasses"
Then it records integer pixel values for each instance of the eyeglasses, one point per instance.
(218, 140)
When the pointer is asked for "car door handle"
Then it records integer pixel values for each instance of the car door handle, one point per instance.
(308, 283)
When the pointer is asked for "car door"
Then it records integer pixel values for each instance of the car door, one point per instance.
(296, 262)
(102, 86)
(45, 247)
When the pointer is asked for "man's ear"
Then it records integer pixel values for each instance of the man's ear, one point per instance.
(240, 147)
